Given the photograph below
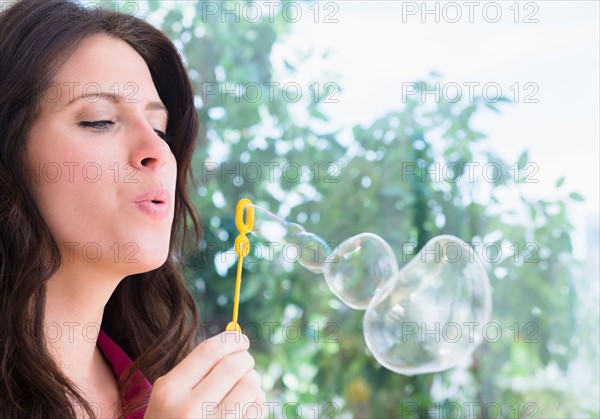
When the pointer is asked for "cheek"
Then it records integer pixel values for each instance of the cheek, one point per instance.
(74, 199)
(72, 186)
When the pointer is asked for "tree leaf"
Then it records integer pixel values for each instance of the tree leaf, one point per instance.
(575, 196)
(523, 160)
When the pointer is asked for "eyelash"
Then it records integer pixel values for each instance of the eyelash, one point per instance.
(102, 126)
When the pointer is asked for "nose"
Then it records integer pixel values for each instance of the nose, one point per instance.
(148, 150)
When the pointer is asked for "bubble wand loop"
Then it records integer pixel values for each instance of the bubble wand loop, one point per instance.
(242, 248)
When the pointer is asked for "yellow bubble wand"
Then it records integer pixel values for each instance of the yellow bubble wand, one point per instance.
(242, 248)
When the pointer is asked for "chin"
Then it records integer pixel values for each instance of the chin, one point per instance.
(147, 261)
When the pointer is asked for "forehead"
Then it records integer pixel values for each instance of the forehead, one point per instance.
(106, 63)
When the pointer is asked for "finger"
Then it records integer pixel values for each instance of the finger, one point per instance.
(203, 358)
(258, 408)
(223, 377)
(241, 399)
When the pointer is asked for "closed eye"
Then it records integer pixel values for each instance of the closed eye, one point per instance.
(101, 126)
(97, 125)
(161, 135)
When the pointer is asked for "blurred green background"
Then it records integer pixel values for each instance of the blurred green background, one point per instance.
(353, 181)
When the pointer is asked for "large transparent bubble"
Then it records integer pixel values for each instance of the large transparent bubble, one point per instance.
(430, 315)
(426, 317)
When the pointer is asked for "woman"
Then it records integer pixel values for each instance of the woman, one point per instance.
(97, 129)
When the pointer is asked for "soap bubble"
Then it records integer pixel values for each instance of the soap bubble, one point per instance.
(359, 267)
(429, 316)
(314, 251)
(269, 226)
(426, 317)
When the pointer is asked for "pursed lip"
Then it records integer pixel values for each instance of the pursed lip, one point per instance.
(156, 196)
(155, 203)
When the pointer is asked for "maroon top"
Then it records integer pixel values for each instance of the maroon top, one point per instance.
(119, 361)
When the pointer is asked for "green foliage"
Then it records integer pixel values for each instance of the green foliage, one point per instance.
(382, 179)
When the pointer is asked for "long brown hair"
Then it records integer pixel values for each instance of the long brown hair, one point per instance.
(152, 316)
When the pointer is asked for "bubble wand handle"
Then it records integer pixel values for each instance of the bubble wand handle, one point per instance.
(242, 248)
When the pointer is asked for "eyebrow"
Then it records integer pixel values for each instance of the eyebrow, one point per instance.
(116, 98)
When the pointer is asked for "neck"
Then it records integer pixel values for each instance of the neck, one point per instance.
(75, 300)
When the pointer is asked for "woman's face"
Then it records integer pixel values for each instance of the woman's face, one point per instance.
(100, 173)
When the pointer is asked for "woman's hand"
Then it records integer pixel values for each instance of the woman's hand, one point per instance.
(216, 379)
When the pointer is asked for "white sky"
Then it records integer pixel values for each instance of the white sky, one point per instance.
(378, 45)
